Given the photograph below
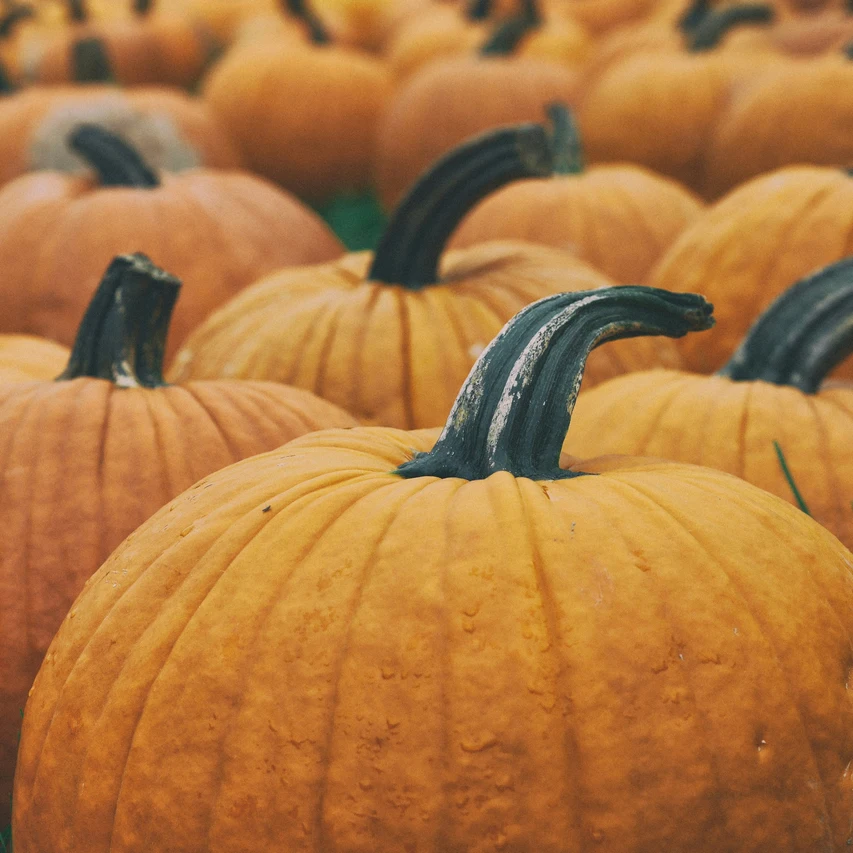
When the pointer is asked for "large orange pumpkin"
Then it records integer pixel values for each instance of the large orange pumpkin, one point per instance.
(752, 245)
(86, 459)
(619, 218)
(763, 417)
(218, 230)
(391, 337)
(347, 645)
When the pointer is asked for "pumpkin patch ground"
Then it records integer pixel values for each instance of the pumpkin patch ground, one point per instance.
(418, 523)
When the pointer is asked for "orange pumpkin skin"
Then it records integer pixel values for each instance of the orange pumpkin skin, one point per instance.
(390, 355)
(303, 117)
(750, 246)
(384, 664)
(790, 116)
(471, 94)
(218, 230)
(30, 119)
(672, 104)
(25, 357)
(84, 461)
(619, 218)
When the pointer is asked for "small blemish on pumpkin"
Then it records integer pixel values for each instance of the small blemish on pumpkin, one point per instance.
(186, 531)
(365, 785)
(267, 508)
(387, 672)
(478, 744)
(475, 350)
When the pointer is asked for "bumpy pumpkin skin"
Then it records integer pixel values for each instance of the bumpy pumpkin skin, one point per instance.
(390, 355)
(218, 231)
(168, 128)
(283, 659)
(731, 426)
(751, 245)
(620, 219)
(25, 357)
(83, 464)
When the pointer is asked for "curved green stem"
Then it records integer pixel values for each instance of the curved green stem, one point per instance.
(693, 16)
(515, 408)
(802, 335)
(413, 242)
(565, 140)
(89, 61)
(122, 336)
(507, 35)
(300, 9)
(116, 163)
(715, 25)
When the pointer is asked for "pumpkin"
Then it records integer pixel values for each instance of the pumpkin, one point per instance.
(169, 129)
(24, 357)
(753, 244)
(792, 115)
(391, 336)
(218, 230)
(88, 458)
(763, 417)
(618, 218)
(146, 48)
(375, 641)
(303, 117)
(471, 94)
(672, 103)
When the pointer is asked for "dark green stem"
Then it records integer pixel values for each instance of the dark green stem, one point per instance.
(789, 477)
(117, 164)
(802, 335)
(515, 408)
(715, 25)
(77, 11)
(122, 336)
(300, 9)
(693, 16)
(10, 21)
(413, 242)
(478, 10)
(507, 35)
(89, 61)
(565, 140)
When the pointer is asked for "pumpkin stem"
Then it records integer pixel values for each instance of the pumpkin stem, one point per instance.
(789, 477)
(77, 11)
(122, 336)
(411, 246)
(565, 140)
(7, 87)
(507, 35)
(90, 63)
(515, 407)
(709, 32)
(478, 10)
(10, 21)
(143, 8)
(693, 16)
(802, 335)
(300, 9)
(116, 163)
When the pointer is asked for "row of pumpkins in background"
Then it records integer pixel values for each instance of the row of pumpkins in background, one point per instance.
(386, 338)
(713, 96)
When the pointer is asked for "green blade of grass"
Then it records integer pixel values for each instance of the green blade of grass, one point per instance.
(789, 477)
